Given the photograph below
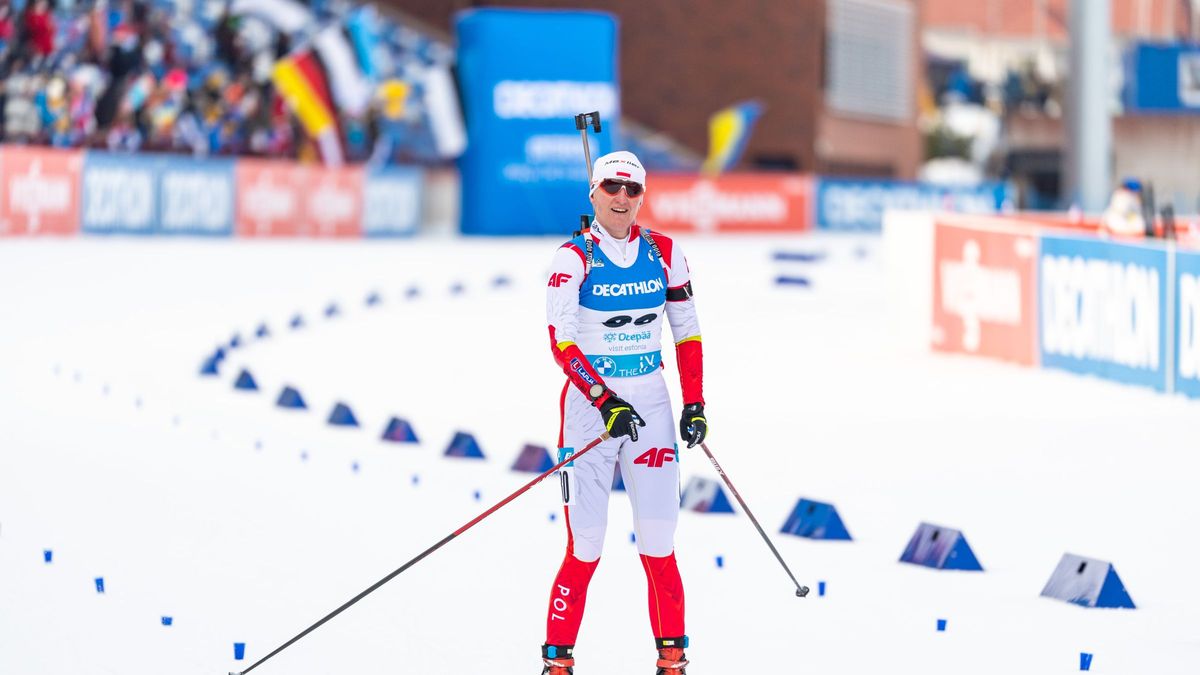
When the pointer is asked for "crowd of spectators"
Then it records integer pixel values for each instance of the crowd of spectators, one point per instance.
(191, 76)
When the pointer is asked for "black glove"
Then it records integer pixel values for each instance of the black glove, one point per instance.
(692, 425)
(620, 419)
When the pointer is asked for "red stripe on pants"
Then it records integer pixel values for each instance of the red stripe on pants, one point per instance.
(666, 596)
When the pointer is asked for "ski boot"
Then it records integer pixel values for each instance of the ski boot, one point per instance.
(671, 659)
(558, 659)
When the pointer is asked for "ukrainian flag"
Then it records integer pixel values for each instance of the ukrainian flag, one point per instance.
(728, 132)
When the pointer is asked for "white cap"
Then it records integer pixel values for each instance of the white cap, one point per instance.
(621, 165)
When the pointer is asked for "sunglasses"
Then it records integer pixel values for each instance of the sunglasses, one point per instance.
(612, 187)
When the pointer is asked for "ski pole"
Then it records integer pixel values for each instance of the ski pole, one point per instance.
(581, 123)
(603, 437)
(801, 591)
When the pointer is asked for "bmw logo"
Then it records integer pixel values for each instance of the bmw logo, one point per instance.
(605, 365)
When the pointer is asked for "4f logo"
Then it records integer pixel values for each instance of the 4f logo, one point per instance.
(559, 279)
(655, 457)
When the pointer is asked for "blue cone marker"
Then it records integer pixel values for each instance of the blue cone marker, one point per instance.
(354, 467)
(239, 650)
(258, 445)
(478, 496)
(633, 537)
(553, 517)
(303, 455)
(416, 479)
(99, 584)
(720, 561)
(48, 556)
(1085, 661)
(167, 621)
(821, 588)
(941, 625)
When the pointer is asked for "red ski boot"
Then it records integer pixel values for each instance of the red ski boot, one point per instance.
(558, 660)
(671, 659)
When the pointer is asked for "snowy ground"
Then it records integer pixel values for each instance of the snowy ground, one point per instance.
(246, 523)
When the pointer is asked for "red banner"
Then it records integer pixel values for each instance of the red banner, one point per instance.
(39, 191)
(280, 199)
(729, 203)
(984, 292)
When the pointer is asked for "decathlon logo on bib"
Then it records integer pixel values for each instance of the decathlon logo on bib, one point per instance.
(633, 288)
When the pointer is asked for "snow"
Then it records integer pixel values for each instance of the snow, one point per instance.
(192, 500)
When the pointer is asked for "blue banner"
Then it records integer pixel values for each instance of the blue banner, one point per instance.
(1162, 78)
(524, 75)
(154, 194)
(196, 196)
(1187, 323)
(119, 194)
(392, 202)
(1103, 309)
(845, 204)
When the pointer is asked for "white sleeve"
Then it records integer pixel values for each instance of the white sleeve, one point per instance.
(681, 314)
(562, 294)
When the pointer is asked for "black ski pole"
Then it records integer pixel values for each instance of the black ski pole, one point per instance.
(801, 591)
(603, 437)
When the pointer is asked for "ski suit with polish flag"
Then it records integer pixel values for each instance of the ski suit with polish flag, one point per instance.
(605, 327)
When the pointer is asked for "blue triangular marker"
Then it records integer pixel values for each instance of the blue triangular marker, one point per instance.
(399, 431)
(342, 416)
(209, 367)
(245, 381)
(815, 520)
(235, 341)
(290, 398)
(297, 322)
(464, 445)
(533, 459)
(262, 331)
(373, 299)
(332, 310)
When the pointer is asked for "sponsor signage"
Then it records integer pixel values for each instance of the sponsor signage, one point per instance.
(196, 197)
(843, 204)
(1104, 309)
(392, 202)
(1187, 323)
(39, 190)
(523, 170)
(281, 199)
(1162, 78)
(153, 194)
(984, 293)
(731, 203)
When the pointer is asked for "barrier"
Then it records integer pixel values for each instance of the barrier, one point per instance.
(399, 431)
(533, 459)
(1187, 324)
(1103, 309)
(984, 285)
(740, 202)
(859, 205)
(464, 445)
(39, 191)
(1006, 288)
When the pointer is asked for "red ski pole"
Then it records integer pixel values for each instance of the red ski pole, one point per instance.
(375, 586)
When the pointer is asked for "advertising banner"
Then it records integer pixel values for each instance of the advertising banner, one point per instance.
(196, 197)
(524, 75)
(39, 191)
(1187, 323)
(281, 199)
(844, 204)
(730, 203)
(984, 293)
(120, 193)
(1104, 309)
(392, 203)
(1162, 78)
